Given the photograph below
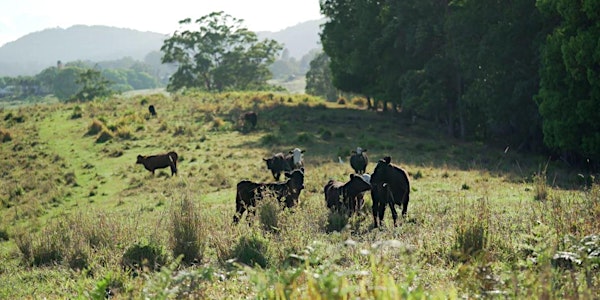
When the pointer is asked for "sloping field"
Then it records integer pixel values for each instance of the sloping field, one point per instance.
(80, 219)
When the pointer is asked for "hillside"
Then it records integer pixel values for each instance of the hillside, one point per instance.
(298, 39)
(80, 219)
(36, 51)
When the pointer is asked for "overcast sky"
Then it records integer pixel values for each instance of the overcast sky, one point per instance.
(20, 17)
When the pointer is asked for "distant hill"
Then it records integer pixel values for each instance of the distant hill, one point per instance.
(39, 50)
(298, 39)
(36, 51)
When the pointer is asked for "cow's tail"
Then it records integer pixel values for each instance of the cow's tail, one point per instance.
(173, 158)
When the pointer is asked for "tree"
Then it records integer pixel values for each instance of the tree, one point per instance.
(569, 95)
(65, 83)
(318, 78)
(220, 55)
(93, 85)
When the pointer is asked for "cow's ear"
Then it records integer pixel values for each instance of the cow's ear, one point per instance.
(364, 150)
(287, 174)
(302, 151)
(265, 159)
(140, 157)
(302, 169)
(291, 152)
(353, 151)
(387, 159)
(352, 176)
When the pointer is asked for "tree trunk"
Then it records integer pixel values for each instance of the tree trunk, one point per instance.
(369, 106)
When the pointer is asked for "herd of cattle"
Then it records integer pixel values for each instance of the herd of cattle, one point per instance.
(389, 184)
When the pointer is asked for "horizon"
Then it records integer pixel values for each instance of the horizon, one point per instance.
(30, 16)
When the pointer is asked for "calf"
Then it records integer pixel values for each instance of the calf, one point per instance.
(349, 192)
(390, 186)
(359, 160)
(277, 163)
(159, 161)
(248, 192)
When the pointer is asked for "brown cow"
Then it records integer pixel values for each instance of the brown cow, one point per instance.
(249, 120)
(159, 161)
(248, 192)
(347, 195)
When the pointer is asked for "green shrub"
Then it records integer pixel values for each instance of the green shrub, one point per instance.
(96, 127)
(5, 136)
(252, 250)
(188, 237)
(3, 234)
(336, 221)
(77, 112)
(268, 213)
(270, 139)
(104, 136)
(143, 256)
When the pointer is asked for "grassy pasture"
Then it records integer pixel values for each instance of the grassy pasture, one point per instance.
(78, 217)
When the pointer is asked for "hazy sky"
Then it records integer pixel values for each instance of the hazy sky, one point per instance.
(20, 17)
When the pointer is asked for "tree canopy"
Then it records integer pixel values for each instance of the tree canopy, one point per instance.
(471, 65)
(221, 54)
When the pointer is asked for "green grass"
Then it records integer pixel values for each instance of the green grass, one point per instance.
(476, 223)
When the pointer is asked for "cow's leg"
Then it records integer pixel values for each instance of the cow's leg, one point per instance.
(240, 208)
(404, 205)
(375, 213)
(392, 204)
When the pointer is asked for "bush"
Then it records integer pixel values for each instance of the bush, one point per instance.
(188, 237)
(104, 136)
(252, 251)
(140, 257)
(77, 112)
(268, 213)
(5, 136)
(96, 127)
(336, 221)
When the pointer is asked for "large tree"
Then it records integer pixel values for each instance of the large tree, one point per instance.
(219, 55)
(569, 96)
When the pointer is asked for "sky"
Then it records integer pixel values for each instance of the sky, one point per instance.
(21, 17)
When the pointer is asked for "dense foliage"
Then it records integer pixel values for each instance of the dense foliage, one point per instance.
(474, 66)
(569, 95)
(220, 55)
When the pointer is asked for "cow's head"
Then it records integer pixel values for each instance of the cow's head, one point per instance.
(296, 179)
(379, 175)
(359, 150)
(297, 154)
(357, 184)
(140, 159)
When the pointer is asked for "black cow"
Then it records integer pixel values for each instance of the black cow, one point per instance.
(278, 164)
(152, 110)
(359, 160)
(390, 185)
(159, 161)
(347, 195)
(248, 192)
(249, 119)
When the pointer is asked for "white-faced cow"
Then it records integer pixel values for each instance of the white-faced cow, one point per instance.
(248, 192)
(359, 160)
(159, 161)
(295, 158)
(390, 185)
(346, 196)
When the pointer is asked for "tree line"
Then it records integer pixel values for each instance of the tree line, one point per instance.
(524, 72)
